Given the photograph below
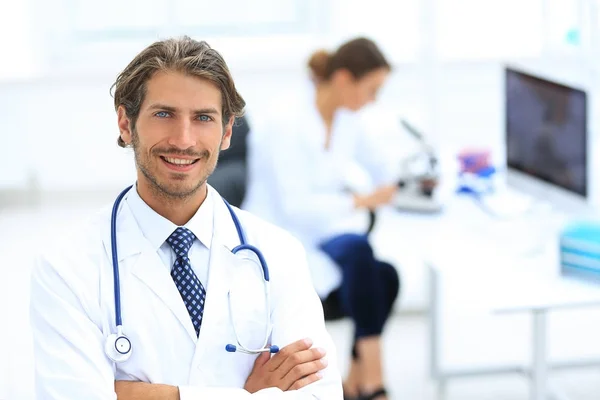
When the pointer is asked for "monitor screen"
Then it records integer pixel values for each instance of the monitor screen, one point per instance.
(546, 131)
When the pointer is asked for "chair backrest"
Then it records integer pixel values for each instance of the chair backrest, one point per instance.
(238, 149)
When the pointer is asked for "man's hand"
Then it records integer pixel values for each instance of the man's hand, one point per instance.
(381, 196)
(292, 368)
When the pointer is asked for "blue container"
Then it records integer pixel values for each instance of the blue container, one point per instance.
(580, 250)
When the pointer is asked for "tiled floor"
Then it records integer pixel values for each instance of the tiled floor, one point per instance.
(468, 339)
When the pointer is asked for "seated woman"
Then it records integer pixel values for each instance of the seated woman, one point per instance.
(298, 164)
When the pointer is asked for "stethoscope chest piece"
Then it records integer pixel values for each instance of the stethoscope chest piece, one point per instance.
(118, 347)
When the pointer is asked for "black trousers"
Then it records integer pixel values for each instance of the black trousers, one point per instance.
(369, 287)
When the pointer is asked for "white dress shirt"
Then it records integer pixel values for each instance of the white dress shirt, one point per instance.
(157, 229)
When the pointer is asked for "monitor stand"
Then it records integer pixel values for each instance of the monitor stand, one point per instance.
(543, 193)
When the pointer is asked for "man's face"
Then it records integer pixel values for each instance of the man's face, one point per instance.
(178, 134)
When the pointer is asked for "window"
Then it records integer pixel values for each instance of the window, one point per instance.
(475, 29)
(122, 19)
(113, 19)
(88, 35)
(19, 58)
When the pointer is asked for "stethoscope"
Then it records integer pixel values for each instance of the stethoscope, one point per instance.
(118, 346)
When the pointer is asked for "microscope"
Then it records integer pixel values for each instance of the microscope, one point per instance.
(419, 177)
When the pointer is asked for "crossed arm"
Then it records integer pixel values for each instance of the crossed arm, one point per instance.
(295, 366)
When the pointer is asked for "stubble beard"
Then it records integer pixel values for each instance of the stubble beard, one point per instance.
(162, 191)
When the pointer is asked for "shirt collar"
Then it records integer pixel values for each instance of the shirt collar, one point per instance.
(157, 228)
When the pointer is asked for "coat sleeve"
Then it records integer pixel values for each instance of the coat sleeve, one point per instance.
(70, 362)
(297, 313)
(195, 393)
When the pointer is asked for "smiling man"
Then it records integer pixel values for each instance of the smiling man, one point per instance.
(153, 300)
(180, 145)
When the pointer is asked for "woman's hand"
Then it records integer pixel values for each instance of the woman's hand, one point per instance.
(381, 196)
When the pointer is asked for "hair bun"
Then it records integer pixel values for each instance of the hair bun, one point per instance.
(318, 64)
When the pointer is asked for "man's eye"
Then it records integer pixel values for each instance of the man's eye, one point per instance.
(162, 114)
(204, 118)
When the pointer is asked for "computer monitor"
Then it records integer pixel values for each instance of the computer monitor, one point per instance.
(546, 138)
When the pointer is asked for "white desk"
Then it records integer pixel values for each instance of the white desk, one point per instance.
(515, 277)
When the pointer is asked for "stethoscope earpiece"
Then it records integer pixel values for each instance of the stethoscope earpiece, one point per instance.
(231, 348)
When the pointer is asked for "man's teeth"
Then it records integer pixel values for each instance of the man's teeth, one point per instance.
(179, 161)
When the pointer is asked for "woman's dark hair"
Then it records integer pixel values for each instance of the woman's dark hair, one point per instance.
(359, 56)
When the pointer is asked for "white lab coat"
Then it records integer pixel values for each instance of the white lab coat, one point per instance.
(73, 311)
(298, 185)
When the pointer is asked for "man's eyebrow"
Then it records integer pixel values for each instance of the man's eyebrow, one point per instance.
(158, 106)
(164, 107)
(207, 110)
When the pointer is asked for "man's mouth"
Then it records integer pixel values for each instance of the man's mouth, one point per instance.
(179, 161)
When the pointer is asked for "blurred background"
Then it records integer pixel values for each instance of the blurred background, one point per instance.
(449, 80)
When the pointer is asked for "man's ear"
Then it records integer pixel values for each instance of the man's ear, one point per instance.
(227, 132)
(124, 125)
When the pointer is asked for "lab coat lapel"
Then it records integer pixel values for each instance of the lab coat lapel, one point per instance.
(222, 265)
(222, 262)
(149, 269)
(137, 256)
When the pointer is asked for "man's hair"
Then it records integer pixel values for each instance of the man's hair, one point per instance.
(185, 55)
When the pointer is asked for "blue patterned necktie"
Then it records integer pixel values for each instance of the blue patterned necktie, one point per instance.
(189, 286)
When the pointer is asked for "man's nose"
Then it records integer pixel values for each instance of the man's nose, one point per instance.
(182, 136)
